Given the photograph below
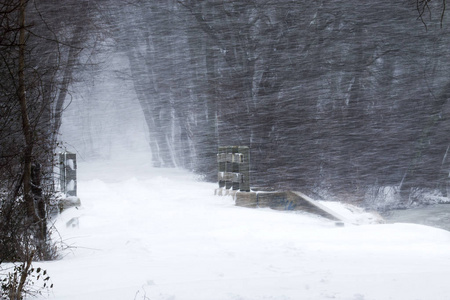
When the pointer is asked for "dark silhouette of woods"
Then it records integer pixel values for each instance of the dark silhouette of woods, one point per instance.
(331, 97)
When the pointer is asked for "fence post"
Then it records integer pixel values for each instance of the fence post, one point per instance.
(244, 169)
(221, 162)
(68, 173)
(234, 170)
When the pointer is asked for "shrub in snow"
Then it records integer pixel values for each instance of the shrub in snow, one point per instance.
(22, 279)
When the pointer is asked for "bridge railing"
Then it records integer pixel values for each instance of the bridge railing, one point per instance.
(234, 168)
(68, 173)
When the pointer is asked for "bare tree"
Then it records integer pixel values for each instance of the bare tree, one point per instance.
(35, 80)
(425, 7)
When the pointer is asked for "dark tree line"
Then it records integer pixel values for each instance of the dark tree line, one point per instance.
(330, 96)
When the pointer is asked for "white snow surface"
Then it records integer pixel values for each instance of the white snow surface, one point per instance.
(160, 234)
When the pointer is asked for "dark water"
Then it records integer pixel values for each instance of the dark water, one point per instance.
(433, 215)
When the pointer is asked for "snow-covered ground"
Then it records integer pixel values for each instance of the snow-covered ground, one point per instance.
(144, 233)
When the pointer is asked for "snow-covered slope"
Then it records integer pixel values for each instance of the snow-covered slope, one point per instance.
(145, 233)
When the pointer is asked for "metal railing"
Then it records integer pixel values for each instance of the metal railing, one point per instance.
(68, 173)
(234, 168)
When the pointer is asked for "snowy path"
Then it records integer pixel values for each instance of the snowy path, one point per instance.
(144, 233)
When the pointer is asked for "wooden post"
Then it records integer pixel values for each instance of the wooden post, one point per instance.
(235, 176)
(68, 173)
(244, 169)
(221, 163)
(228, 175)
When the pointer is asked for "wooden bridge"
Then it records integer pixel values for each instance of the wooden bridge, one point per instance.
(233, 178)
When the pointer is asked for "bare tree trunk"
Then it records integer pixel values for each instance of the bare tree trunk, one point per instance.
(23, 277)
(27, 179)
(67, 78)
(26, 128)
(139, 87)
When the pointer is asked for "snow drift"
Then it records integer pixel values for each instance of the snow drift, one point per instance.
(144, 233)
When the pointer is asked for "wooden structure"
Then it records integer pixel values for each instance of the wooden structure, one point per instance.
(233, 178)
(234, 168)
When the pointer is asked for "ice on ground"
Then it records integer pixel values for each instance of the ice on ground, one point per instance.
(159, 234)
(353, 214)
